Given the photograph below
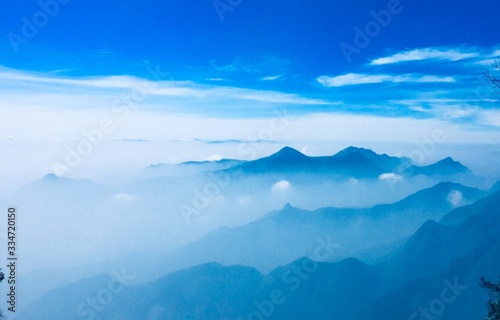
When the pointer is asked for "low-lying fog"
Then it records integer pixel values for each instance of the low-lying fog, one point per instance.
(127, 207)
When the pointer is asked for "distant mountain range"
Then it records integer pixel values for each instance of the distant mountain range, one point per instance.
(436, 274)
(263, 243)
(271, 240)
(350, 162)
(190, 167)
(365, 233)
(445, 167)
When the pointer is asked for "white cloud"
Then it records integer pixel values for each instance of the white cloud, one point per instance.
(455, 198)
(495, 53)
(419, 108)
(455, 109)
(390, 176)
(490, 59)
(217, 79)
(351, 79)
(360, 78)
(410, 102)
(66, 112)
(264, 65)
(459, 112)
(489, 62)
(271, 78)
(267, 96)
(282, 185)
(123, 197)
(214, 157)
(224, 68)
(489, 117)
(176, 91)
(425, 54)
(128, 84)
(101, 82)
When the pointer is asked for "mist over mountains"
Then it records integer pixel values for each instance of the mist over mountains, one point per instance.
(249, 160)
(205, 240)
(348, 163)
(436, 259)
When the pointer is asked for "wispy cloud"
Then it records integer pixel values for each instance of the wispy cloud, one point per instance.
(217, 79)
(169, 88)
(426, 54)
(270, 96)
(59, 106)
(271, 78)
(490, 59)
(359, 78)
(490, 118)
(234, 141)
(466, 112)
(132, 140)
(266, 64)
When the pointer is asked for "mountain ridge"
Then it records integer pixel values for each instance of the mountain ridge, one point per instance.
(350, 162)
(314, 289)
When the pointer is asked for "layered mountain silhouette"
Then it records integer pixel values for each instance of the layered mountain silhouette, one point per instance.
(437, 258)
(445, 167)
(190, 167)
(371, 234)
(287, 234)
(349, 162)
(264, 244)
(352, 162)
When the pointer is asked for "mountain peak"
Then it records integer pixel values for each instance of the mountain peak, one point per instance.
(351, 149)
(52, 178)
(449, 163)
(444, 167)
(288, 152)
(448, 160)
(287, 206)
(288, 155)
(285, 159)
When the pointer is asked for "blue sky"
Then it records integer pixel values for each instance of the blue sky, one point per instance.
(374, 71)
(431, 51)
